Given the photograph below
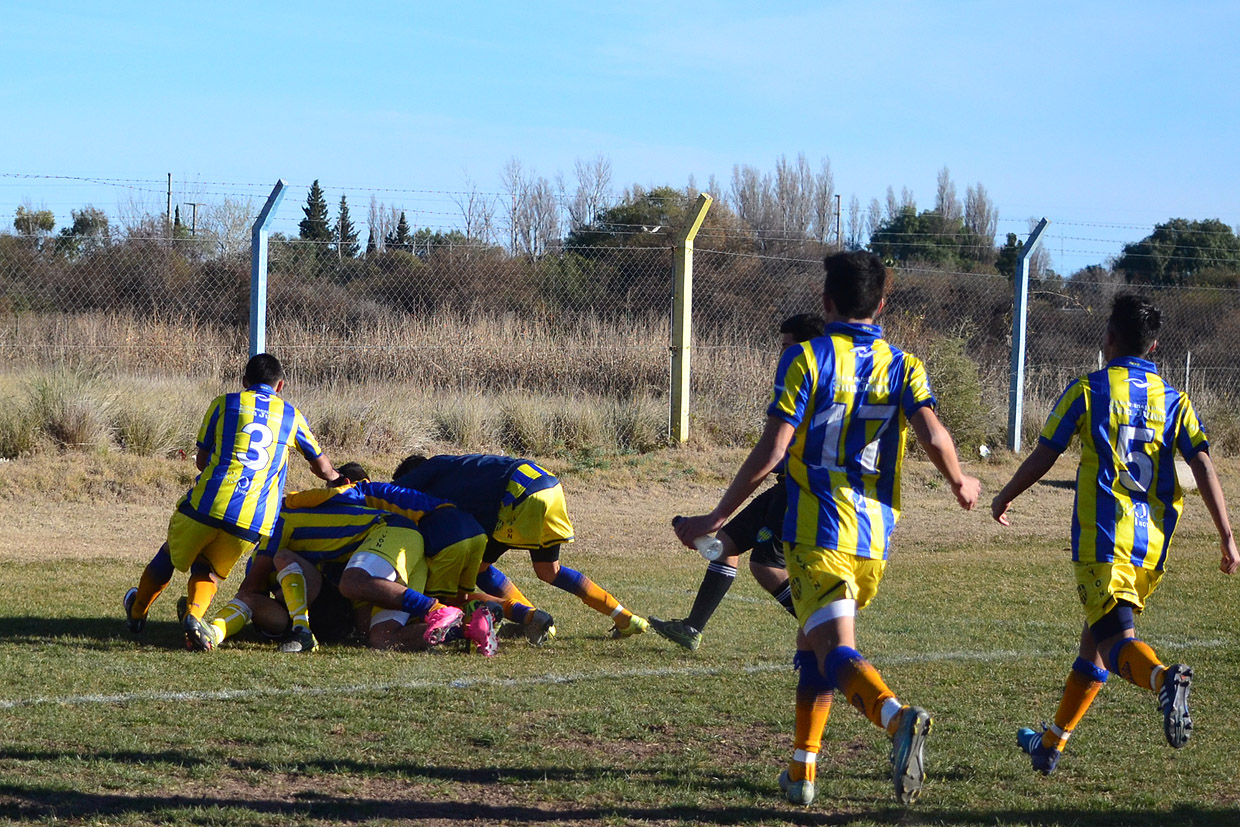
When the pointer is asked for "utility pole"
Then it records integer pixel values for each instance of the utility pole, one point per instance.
(168, 212)
(193, 227)
(839, 242)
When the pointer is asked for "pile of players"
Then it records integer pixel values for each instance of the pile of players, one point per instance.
(412, 562)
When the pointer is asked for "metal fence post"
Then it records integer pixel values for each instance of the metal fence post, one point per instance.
(1020, 314)
(682, 322)
(258, 270)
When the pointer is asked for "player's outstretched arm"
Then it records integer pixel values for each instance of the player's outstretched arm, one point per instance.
(323, 469)
(1030, 471)
(937, 442)
(771, 447)
(1212, 495)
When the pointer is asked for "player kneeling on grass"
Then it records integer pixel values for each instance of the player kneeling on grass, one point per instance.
(1131, 423)
(522, 506)
(243, 448)
(841, 410)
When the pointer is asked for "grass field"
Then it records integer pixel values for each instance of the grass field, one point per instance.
(974, 622)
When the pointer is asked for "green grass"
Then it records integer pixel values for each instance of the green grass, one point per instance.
(594, 731)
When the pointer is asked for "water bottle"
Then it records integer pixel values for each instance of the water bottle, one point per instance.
(709, 547)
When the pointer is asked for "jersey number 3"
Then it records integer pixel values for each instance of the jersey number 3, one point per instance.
(256, 457)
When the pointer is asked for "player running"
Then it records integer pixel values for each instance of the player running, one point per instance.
(757, 527)
(1131, 423)
(841, 409)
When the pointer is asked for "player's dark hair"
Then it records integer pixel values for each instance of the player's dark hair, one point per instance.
(263, 369)
(856, 283)
(1134, 323)
(352, 471)
(804, 326)
(407, 464)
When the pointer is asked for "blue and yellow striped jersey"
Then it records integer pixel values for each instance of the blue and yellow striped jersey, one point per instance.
(248, 435)
(1131, 424)
(849, 394)
(479, 483)
(327, 525)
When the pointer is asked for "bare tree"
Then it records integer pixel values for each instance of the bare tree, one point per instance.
(945, 202)
(477, 212)
(228, 225)
(893, 206)
(854, 223)
(793, 197)
(980, 214)
(907, 201)
(592, 195)
(516, 187)
(1040, 259)
(874, 219)
(824, 222)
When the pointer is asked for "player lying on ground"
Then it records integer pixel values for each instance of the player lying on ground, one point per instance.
(522, 506)
(1131, 423)
(757, 527)
(243, 447)
(841, 408)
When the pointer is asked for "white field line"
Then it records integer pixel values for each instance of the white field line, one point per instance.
(531, 680)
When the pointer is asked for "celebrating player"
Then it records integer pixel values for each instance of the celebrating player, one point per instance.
(1131, 423)
(841, 409)
(243, 461)
(757, 527)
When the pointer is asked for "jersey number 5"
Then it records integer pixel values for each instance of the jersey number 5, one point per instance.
(1138, 470)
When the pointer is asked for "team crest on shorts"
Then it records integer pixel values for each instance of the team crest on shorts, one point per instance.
(765, 535)
(1081, 593)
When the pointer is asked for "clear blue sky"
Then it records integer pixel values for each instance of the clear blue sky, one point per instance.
(1090, 113)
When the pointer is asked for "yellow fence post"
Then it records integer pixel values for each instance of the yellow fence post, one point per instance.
(682, 322)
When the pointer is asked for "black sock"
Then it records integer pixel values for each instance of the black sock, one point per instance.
(715, 585)
(784, 597)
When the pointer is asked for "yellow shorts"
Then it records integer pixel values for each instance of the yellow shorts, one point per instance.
(1101, 586)
(189, 539)
(452, 571)
(820, 576)
(540, 520)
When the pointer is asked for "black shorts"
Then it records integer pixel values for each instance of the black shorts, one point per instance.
(758, 525)
(331, 614)
(495, 550)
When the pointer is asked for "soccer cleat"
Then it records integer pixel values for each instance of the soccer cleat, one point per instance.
(136, 624)
(439, 621)
(677, 631)
(1044, 759)
(182, 608)
(797, 792)
(908, 769)
(199, 637)
(480, 628)
(300, 641)
(540, 628)
(636, 626)
(1173, 700)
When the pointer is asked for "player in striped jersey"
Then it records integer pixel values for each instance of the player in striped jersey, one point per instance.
(522, 505)
(243, 448)
(1131, 424)
(842, 406)
(757, 527)
(324, 527)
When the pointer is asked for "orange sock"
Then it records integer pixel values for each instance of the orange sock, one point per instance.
(589, 593)
(864, 688)
(814, 696)
(1136, 663)
(201, 591)
(1083, 684)
(155, 578)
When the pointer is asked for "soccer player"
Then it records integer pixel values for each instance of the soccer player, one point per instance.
(757, 527)
(841, 410)
(1131, 423)
(242, 458)
(522, 505)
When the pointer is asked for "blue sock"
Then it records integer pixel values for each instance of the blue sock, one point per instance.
(569, 580)
(416, 603)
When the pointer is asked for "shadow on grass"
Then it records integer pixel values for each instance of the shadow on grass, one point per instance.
(34, 802)
(103, 632)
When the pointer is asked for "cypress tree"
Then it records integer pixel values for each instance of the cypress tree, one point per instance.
(401, 239)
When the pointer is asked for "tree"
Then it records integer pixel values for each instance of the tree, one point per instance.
(88, 233)
(400, 238)
(229, 224)
(1181, 252)
(346, 235)
(315, 227)
(1008, 253)
(981, 217)
(926, 237)
(945, 203)
(33, 223)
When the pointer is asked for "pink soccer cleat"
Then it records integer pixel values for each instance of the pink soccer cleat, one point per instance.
(439, 622)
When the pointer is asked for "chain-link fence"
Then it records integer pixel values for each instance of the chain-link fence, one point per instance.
(494, 350)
